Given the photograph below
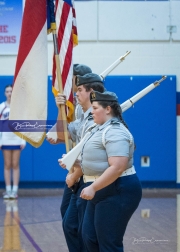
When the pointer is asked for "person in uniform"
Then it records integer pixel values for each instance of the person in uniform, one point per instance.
(72, 220)
(114, 191)
(78, 69)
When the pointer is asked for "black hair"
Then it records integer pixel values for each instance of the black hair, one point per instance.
(9, 85)
(96, 86)
(117, 111)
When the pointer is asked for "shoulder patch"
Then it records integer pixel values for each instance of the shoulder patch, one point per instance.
(90, 117)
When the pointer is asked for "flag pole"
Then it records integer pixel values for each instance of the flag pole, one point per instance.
(61, 110)
(74, 117)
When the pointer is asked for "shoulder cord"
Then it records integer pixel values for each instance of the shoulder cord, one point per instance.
(130, 135)
(107, 128)
(91, 127)
(88, 132)
(103, 135)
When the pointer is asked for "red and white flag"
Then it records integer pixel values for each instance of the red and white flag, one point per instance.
(67, 39)
(29, 96)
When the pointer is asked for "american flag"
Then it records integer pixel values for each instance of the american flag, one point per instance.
(67, 39)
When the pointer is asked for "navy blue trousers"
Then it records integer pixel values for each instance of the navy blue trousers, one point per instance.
(73, 220)
(65, 200)
(108, 213)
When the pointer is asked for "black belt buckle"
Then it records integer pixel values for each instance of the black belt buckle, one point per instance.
(75, 187)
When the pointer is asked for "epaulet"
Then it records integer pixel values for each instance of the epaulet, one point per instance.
(104, 133)
(115, 122)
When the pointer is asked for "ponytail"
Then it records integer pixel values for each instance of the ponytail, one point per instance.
(117, 111)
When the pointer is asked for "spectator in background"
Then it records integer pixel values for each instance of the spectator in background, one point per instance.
(11, 146)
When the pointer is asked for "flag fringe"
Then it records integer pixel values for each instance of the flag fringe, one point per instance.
(55, 91)
(75, 40)
(30, 141)
(70, 111)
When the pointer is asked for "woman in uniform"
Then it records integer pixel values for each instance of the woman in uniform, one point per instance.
(107, 162)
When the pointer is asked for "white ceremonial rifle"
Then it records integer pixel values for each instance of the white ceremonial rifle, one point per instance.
(114, 65)
(70, 158)
(129, 103)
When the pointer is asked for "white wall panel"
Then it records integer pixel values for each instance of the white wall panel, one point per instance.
(133, 20)
(86, 15)
(175, 11)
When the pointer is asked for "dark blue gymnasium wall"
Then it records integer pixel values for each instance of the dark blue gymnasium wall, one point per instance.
(152, 122)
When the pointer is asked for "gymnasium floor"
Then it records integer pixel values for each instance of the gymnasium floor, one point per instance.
(33, 222)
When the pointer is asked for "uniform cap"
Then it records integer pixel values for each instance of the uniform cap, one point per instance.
(106, 96)
(88, 78)
(79, 69)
